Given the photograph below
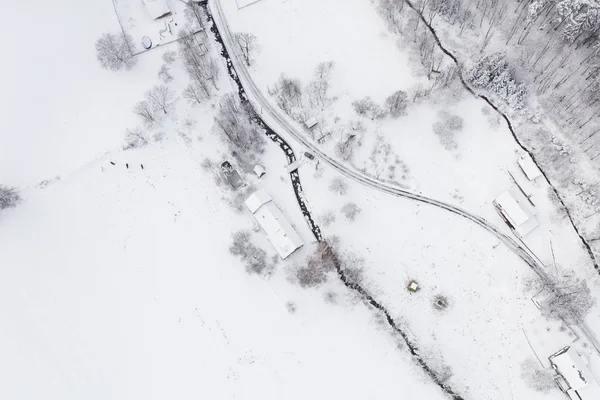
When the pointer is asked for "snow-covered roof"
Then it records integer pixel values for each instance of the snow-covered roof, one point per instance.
(574, 370)
(259, 170)
(279, 231)
(529, 168)
(511, 209)
(517, 217)
(157, 8)
(257, 199)
(310, 122)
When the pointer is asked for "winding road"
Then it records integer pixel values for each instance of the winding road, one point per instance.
(276, 120)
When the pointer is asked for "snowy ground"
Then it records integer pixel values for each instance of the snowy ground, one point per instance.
(117, 282)
(483, 331)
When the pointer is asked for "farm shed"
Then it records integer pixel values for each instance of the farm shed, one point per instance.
(279, 231)
(157, 8)
(529, 168)
(575, 378)
(515, 215)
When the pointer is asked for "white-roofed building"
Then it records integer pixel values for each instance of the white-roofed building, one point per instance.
(279, 231)
(576, 380)
(529, 168)
(515, 215)
(157, 8)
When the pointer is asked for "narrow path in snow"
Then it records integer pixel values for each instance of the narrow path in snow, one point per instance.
(508, 123)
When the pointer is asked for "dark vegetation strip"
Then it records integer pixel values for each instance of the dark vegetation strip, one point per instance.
(508, 123)
(412, 347)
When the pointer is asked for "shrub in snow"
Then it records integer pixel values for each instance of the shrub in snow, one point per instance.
(164, 74)
(169, 57)
(291, 307)
(338, 185)
(254, 258)
(493, 73)
(536, 378)
(446, 127)
(318, 264)
(368, 108)
(350, 211)
(328, 218)
(331, 297)
(570, 300)
(9, 197)
(113, 51)
(440, 302)
(396, 103)
(352, 265)
(318, 88)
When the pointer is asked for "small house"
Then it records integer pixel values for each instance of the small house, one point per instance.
(574, 377)
(310, 123)
(280, 233)
(529, 168)
(231, 175)
(157, 8)
(259, 170)
(515, 215)
(413, 286)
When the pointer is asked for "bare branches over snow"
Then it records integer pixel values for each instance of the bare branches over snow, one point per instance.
(159, 99)
(9, 197)
(247, 46)
(114, 51)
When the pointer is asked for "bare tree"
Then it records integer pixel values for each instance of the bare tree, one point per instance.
(146, 112)
(135, 138)
(254, 258)
(161, 98)
(196, 92)
(247, 45)
(538, 379)
(318, 264)
(114, 51)
(318, 88)
(396, 103)
(9, 197)
(570, 300)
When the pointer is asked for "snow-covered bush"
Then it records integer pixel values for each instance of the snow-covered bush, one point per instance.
(169, 57)
(338, 185)
(493, 73)
(396, 103)
(291, 307)
(350, 211)
(368, 108)
(113, 51)
(9, 197)
(538, 379)
(253, 257)
(164, 74)
(446, 127)
(327, 219)
(570, 300)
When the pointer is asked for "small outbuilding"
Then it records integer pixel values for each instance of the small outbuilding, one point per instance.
(514, 214)
(157, 8)
(574, 377)
(529, 168)
(280, 233)
(231, 175)
(413, 286)
(259, 170)
(310, 123)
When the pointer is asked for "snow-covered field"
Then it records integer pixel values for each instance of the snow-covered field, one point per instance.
(117, 282)
(488, 286)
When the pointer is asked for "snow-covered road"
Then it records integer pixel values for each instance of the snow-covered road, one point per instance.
(276, 119)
